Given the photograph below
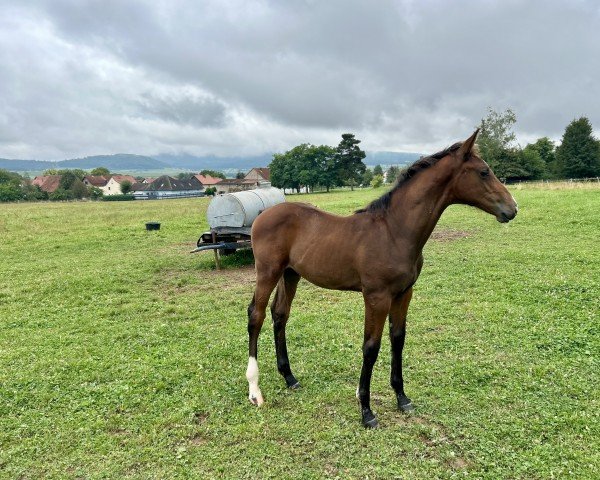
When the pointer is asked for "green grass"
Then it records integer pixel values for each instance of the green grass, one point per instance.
(122, 356)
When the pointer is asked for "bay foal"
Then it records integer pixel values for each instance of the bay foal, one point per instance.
(376, 251)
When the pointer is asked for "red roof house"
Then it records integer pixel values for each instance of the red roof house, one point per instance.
(47, 183)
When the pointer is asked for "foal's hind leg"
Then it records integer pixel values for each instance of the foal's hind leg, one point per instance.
(280, 310)
(398, 313)
(266, 279)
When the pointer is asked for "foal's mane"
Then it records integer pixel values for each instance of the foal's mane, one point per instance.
(382, 203)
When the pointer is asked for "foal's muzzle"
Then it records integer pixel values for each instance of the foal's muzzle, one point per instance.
(506, 214)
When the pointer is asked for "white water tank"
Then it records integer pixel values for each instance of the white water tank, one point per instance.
(240, 209)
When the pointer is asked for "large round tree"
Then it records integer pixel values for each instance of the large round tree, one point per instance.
(578, 156)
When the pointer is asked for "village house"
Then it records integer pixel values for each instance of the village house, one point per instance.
(259, 174)
(98, 181)
(207, 180)
(253, 179)
(168, 187)
(47, 183)
(113, 186)
(109, 184)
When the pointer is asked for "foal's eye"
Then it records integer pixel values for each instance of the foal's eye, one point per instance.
(485, 173)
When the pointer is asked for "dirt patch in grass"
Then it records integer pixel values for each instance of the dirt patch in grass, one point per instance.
(449, 234)
(235, 275)
(198, 440)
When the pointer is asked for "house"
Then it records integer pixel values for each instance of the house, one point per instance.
(257, 177)
(259, 174)
(207, 180)
(168, 187)
(113, 186)
(98, 181)
(47, 183)
(235, 185)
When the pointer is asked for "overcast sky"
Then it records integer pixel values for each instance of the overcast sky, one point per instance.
(246, 77)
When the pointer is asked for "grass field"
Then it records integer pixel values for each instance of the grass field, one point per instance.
(122, 356)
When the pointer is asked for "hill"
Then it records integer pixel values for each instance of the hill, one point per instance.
(117, 162)
(123, 162)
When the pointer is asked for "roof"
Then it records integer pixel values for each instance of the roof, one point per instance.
(97, 180)
(166, 183)
(149, 180)
(139, 187)
(207, 179)
(237, 181)
(122, 178)
(263, 171)
(47, 183)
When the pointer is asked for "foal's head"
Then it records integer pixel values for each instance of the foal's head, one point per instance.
(475, 184)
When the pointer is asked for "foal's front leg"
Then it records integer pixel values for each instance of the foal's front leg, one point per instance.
(377, 306)
(398, 313)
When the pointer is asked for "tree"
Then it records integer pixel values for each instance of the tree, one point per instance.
(294, 168)
(210, 190)
(125, 187)
(498, 148)
(544, 147)
(392, 174)
(495, 142)
(326, 165)
(240, 175)
(366, 177)
(213, 173)
(10, 192)
(67, 179)
(578, 156)
(184, 175)
(350, 160)
(61, 194)
(100, 171)
(79, 189)
(496, 136)
(377, 181)
(378, 170)
(10, 177)
(32, 193)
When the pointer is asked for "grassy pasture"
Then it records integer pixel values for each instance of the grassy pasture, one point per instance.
(121, 356)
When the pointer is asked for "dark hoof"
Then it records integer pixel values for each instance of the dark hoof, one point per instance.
(292, 383)
(404, 404)
(369, 420)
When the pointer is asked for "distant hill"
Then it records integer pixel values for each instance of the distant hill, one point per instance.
(118, 163)
(191, 162)
(197, 163)
(123, 162)
(391, 158)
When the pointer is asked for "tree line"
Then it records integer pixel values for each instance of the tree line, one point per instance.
(577, 156)
(314, 166)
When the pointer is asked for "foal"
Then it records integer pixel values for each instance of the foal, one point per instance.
(294, 240)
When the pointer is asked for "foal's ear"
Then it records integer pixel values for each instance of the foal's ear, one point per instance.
(467, 146)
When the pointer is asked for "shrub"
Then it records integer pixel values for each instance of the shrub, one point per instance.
(61, 194)
(118, 198)
(9, 192)
(96, 193)
(377, 181)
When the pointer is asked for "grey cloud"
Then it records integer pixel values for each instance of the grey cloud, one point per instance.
(402, 75)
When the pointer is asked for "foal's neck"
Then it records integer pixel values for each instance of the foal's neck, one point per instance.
(417, 206)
